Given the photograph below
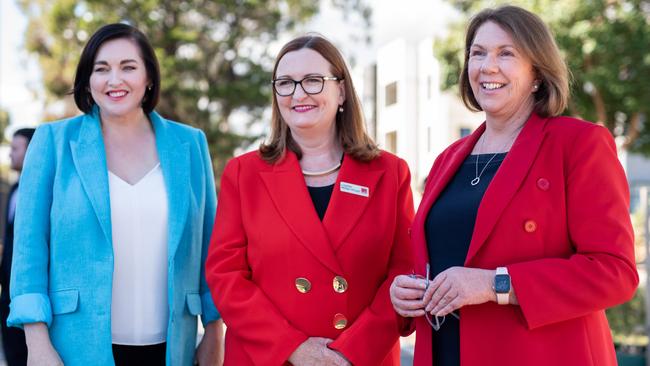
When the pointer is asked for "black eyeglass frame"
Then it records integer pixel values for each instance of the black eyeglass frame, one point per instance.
(296, 82)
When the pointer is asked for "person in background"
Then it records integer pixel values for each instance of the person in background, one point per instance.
(13, 339)
(114, 221)
(523, 235)
(312, 228)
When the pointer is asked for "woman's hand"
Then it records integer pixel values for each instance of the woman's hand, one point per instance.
(456, 287)
(314, 351)
(40, 351)
(210, 350)
(406, 293)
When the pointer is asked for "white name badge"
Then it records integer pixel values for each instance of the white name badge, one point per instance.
(355, 189)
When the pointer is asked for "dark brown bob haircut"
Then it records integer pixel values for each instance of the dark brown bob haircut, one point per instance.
(81, 90)
(350, 124)
(534, 39)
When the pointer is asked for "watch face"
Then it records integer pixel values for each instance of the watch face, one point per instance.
(502, 284)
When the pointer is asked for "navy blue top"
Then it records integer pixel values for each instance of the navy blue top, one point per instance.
(448, 228)
(321, 198)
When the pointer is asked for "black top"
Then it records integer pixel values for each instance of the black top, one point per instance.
(321, 198)
(448, 227)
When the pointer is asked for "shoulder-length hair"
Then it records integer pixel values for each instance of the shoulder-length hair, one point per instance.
(81, 90)
(534, 39)
(350, 125)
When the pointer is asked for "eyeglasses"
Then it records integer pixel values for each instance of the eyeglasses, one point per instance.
(311, 85)
(436, 321)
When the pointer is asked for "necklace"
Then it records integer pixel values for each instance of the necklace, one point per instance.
(323, 172)
(477, 177)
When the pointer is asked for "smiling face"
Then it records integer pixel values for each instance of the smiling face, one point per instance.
(501, 76)
(301, 111)
(119, 78)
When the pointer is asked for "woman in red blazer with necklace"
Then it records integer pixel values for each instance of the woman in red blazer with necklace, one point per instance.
(524, 226)
(312, 228)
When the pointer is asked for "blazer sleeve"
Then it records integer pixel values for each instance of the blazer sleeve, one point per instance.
(30, 302)
(210, 312)
(602, 272)
(379, 326)
(263, 331)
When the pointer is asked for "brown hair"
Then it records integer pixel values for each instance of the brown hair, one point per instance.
(350, 125)
(535, 41)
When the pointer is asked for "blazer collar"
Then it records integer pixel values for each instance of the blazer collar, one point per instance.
(89, 157)
(286, 186)
(504, 185)
(506, 182)
(174, 156)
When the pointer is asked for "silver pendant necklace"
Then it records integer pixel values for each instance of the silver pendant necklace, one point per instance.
(477, 177)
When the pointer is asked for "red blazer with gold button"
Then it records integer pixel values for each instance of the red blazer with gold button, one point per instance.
(267, 235)
(556, 215)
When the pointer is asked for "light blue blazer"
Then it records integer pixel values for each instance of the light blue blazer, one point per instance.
(63, 258)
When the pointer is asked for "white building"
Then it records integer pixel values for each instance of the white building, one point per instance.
(414, 118)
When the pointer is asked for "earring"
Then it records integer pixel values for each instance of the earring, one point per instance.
(535, 87)
(341, 108)
(149, 87)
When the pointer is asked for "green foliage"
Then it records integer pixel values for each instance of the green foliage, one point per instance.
(627, 321)
(214, 55)
(607, 47)
(4, 122)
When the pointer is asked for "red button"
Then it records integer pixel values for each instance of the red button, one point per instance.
(543, 184)
(530, 226)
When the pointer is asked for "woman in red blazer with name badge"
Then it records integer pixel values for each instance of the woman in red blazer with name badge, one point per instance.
(312, 228)
(524, 226)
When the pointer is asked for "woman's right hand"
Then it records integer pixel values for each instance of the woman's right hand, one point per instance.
(40, 351)
(406, 294)
(314, 351)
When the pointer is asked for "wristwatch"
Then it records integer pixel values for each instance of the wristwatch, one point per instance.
(502, 286)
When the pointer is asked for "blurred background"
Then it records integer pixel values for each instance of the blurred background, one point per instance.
(405, 55)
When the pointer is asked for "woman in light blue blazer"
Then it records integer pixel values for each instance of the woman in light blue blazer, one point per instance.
(113, 224)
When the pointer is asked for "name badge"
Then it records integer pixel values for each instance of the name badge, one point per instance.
(355, 189)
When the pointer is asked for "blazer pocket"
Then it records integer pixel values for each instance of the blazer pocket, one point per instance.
(194, 304)
(64, 301)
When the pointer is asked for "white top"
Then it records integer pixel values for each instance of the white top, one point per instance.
(139, 212)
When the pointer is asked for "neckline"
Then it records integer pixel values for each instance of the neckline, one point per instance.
(155, 167)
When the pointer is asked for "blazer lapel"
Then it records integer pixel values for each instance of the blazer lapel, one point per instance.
(89, 157)
(345, 209)
(438, 180)
(174, 158)
(287, 189)
(506, 182)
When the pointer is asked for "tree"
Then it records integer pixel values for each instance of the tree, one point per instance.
(5, 119)
(214, 55)
(606, 44)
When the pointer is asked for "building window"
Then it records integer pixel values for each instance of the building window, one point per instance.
(391, 93)
(391, 142)
(464, 131)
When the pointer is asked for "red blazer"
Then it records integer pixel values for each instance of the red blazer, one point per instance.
(267, 235)
(556, 215)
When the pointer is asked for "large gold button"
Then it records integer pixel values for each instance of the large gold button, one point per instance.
(340, 284)
(340, 321)
(303, 285)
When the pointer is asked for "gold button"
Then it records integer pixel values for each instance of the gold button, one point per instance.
(340, 284)
(303, 285)
(340, 321)
(530, 226)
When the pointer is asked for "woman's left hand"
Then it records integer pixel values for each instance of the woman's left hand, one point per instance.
(456, 287)
(210, 349)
